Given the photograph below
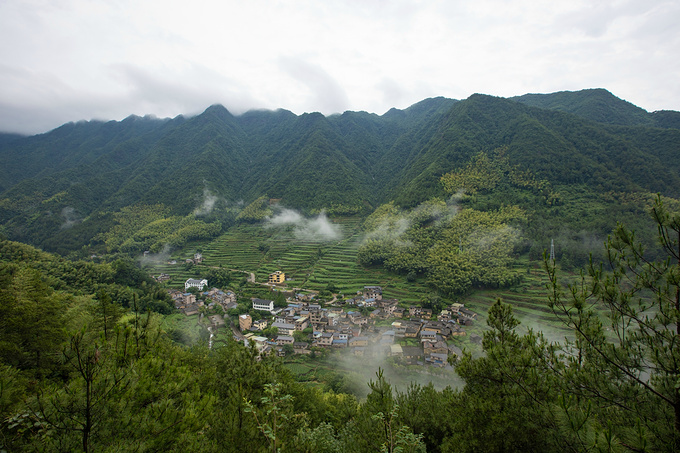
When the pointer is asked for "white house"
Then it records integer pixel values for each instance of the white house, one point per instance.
(193, 283)
(262, 304)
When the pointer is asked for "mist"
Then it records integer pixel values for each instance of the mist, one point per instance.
(156, 258)
(360, 370)
(394, 226)
(70, 217)
(483, 241)
(206, 207)
(390, 228)
(315, 229)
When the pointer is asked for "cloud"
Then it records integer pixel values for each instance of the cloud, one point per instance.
(316, 229)
(175, 91)
(319, 228)
(73, 59)
(206, 207)
(393, 227)
(325, 94)
(70, 217)
(156, 258)
(287, 217)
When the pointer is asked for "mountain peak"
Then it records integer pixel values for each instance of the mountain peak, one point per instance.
(595, 104)
(219, 111)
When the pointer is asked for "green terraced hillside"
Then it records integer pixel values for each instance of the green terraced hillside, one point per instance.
(313, 265)
(308, 264)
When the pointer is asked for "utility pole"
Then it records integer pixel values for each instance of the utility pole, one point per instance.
(552, 251)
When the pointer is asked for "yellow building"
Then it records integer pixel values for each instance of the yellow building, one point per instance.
(244, 322)
(277, 277)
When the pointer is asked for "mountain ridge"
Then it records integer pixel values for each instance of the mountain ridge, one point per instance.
(351, 162)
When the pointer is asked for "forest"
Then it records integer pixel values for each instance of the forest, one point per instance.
(82, 371)
(575, 162)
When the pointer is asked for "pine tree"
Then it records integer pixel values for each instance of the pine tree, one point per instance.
(623, 367)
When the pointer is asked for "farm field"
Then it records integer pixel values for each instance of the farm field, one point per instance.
(185, 329)
(315, 264)
(344, 372)
(308, 264)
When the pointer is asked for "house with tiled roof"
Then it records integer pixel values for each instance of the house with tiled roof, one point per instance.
(194, 283)
(263, 304)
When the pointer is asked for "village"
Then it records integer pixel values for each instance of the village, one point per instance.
(364, 325)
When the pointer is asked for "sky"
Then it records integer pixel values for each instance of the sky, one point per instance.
(71, 60)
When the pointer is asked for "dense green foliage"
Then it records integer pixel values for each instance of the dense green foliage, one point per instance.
(142, 227)
(256, 211)
(596, 105)
(68, 188)
(54, 273)
(602, 106)
(462, 188)
(454, 249)
(82, 373)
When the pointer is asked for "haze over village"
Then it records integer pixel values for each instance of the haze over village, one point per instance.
(356, 323)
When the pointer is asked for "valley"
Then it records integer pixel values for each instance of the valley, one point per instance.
(445, 202)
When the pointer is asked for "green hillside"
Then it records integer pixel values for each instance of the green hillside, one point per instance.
(445, 201)
(62, 188)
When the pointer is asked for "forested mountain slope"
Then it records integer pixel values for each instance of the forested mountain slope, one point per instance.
(67, 182)
(602, 106)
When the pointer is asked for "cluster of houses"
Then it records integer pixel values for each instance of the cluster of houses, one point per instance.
(338, 328)
(198, 258)
(187, 303)
(162, 278)
(345, 324)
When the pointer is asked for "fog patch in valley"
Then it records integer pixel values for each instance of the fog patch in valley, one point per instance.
(314, 229)
(364, 369)
(70, 216)
(208, 203)
(149, 259)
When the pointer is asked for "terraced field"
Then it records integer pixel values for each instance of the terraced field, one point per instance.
(314, 265)
(309, 264)
(529, 300)
(177, 272)
(236, 249)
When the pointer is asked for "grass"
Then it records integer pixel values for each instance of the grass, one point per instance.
(187, 325)
(309, 264)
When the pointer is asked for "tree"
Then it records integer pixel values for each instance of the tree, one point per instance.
(300, 336)
(280, 300)
(31, 315)
(107, 312)
(625, 358)
(270, 332)
(219, 278)
(273, 414)
(509, 392)
(241, 375)
(119, 398)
